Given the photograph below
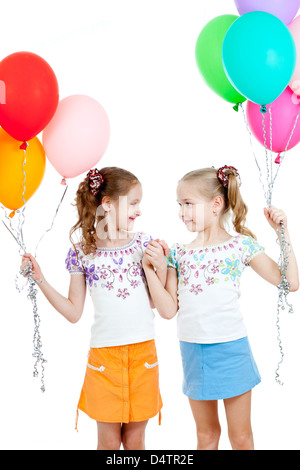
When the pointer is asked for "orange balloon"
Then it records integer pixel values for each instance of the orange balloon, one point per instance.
(11, 170)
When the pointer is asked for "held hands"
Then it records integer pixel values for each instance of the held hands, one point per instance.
(155, 253)
(36, 270)
(274, 216)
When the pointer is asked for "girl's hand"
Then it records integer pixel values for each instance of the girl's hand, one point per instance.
(164, 246)
(275, 216)
(146, 262)
(156, 255)
(35, 268)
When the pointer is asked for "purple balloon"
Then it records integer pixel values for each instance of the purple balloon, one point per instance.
(285, 10)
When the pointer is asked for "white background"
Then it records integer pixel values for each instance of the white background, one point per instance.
(136, 58)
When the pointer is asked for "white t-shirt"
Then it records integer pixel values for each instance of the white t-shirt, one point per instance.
(209, 289)
(119, 291)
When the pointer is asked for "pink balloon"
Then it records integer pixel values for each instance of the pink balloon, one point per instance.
(284, 112)
(77, 136)
(294, 28)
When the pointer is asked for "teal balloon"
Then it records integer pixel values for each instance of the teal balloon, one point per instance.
(259, 56)
(209, 58)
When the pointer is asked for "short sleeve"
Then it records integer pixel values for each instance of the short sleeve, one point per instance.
(251, 248)
(72, 265)
(171, 258)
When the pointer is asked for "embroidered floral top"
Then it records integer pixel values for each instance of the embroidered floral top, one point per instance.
(119, 291)
(209, 289)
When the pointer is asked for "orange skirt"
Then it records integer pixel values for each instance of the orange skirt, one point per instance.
(122, 384)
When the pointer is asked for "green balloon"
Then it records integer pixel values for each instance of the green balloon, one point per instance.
(209, 58)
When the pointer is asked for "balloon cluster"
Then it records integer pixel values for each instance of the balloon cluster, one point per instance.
(75, 136)
(256, 57)
(75, 130)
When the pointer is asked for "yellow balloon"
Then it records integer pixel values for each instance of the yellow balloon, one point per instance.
(11, 170)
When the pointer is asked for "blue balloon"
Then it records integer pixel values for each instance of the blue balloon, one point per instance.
(259, 56)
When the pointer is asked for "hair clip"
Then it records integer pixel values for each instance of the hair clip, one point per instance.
(224, 178)
(96, 180)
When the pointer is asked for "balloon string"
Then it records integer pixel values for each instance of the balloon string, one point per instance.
(282, 156)
(271, 145)
(269, 192)
(32, 291)
(253, 151)
(283, 291)
(22, 210)
(49, 229)
(284, 286)
(11, 230)
(37, 344)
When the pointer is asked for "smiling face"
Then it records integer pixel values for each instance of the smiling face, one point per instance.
(128, 208)
(120, 214)
(196, 211)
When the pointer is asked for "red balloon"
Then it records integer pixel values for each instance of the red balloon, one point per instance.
(31, 95)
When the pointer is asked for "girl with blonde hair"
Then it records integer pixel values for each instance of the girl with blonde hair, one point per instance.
(203, 287)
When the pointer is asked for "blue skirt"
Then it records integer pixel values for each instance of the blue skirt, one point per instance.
(218, 371)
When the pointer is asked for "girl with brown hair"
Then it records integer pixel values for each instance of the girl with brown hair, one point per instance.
(121, 386)
(203, 286)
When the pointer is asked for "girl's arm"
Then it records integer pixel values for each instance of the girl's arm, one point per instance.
(155, 249)
(265, 266)
(164, 298)
(72, 307)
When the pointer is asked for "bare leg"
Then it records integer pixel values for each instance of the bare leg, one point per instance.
(207, 422)
(238, 413)
(109, 436)
(133, 435)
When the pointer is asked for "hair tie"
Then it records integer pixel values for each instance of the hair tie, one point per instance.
(224, 178)
(95, 182)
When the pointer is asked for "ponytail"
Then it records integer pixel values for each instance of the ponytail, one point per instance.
(87, 205)
(238, 207)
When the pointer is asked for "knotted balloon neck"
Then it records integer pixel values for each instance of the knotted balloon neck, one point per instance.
(278, 159)
(24, 146)
(263, 109)
(236, 107)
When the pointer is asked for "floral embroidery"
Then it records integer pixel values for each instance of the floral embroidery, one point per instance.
(109, 285)
(193, 270)
(196, 289)
(123, 267)
(205, 264)
(250, 242)
(123, 293)
(215, 268)
(209, 281)
(136, 271)
(171, 259)
(251, 249)
(134, 284)
(71, 261)
(103, 275)
(91, 275)
(232, 268)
